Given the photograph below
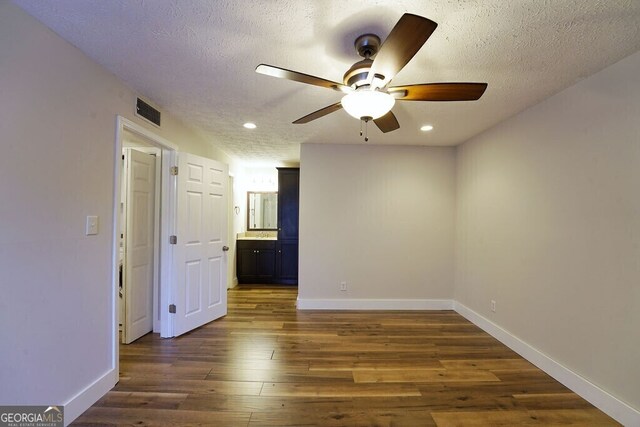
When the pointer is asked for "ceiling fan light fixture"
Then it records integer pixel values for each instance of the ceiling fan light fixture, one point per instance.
(367, 103)
(367, 82)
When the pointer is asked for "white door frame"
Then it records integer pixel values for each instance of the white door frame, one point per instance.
(167, 226)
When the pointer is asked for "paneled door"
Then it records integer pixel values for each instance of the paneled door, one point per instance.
(139, 246)
(200, 284)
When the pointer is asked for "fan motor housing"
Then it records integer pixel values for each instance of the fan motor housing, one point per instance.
(357, 73)
(367, 45)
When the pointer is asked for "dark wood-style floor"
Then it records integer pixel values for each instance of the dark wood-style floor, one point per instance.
(266, 364)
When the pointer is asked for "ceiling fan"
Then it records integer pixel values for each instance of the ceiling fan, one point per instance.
(366, 83)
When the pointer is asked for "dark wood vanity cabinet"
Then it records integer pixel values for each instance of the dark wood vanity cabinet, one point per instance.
(288, 203)
(256, 261)
(287, 262)
(275, 261)
(288, 213)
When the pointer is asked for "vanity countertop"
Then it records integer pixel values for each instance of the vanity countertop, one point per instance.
(256, 238)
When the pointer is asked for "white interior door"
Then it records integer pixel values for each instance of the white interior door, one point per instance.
(200, 284)
(139, 244)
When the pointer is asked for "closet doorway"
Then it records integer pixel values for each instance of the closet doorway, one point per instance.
(139, 249)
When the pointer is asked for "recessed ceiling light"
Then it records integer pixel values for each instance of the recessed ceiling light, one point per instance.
(249, 125)
(426, 128)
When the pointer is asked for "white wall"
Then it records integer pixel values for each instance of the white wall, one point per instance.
(548, 220)
(57, 128)
(549, 226)
(380, 218)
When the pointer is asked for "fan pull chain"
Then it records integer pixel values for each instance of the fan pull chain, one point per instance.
(364, 120)
(366, 125)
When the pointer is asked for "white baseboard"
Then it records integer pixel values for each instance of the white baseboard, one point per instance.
(374, 304)
(598, 397)
(90, 395)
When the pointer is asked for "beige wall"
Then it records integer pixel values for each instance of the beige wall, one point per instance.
(549, 226)
(57, 129)
(380, 218)
(548, 219)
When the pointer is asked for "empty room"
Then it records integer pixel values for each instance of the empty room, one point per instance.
(287, 213)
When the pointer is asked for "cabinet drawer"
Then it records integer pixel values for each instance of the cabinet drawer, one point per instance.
(256, 244)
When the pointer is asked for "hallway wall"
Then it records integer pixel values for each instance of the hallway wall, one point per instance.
(57, 120)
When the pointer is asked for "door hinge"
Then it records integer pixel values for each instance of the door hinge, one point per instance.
(173, 240)
(172, 308)
(173, 170)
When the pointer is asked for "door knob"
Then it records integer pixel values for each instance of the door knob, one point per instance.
(225, 248)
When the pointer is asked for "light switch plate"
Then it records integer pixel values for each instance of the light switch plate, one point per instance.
(92, 225)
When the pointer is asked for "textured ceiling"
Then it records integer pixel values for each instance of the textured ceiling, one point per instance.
(196, 60)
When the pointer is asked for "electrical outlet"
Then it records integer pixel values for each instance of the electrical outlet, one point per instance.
(493, 305)
(343, 286)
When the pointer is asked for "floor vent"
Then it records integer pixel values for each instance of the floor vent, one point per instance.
(146, 111)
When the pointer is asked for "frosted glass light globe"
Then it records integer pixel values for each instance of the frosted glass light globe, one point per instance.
(367, 103)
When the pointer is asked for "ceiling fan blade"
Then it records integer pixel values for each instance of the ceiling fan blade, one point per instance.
(282, 73)
(320, 113)
(439, 92)
(387, 123)
(404, 41)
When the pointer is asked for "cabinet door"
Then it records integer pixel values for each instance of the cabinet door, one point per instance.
(266, 263)
(287, 262)
(247, 265)
(288, 201)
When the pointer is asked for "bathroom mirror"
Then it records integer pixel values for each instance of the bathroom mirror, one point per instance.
(262, 210)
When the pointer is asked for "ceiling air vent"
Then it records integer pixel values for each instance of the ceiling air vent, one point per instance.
(146, 111)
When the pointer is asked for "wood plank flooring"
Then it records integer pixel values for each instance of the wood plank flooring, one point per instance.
(267, 364)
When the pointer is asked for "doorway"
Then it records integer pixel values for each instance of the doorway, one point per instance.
(190, 234)
(130, 135)
(139, 238)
